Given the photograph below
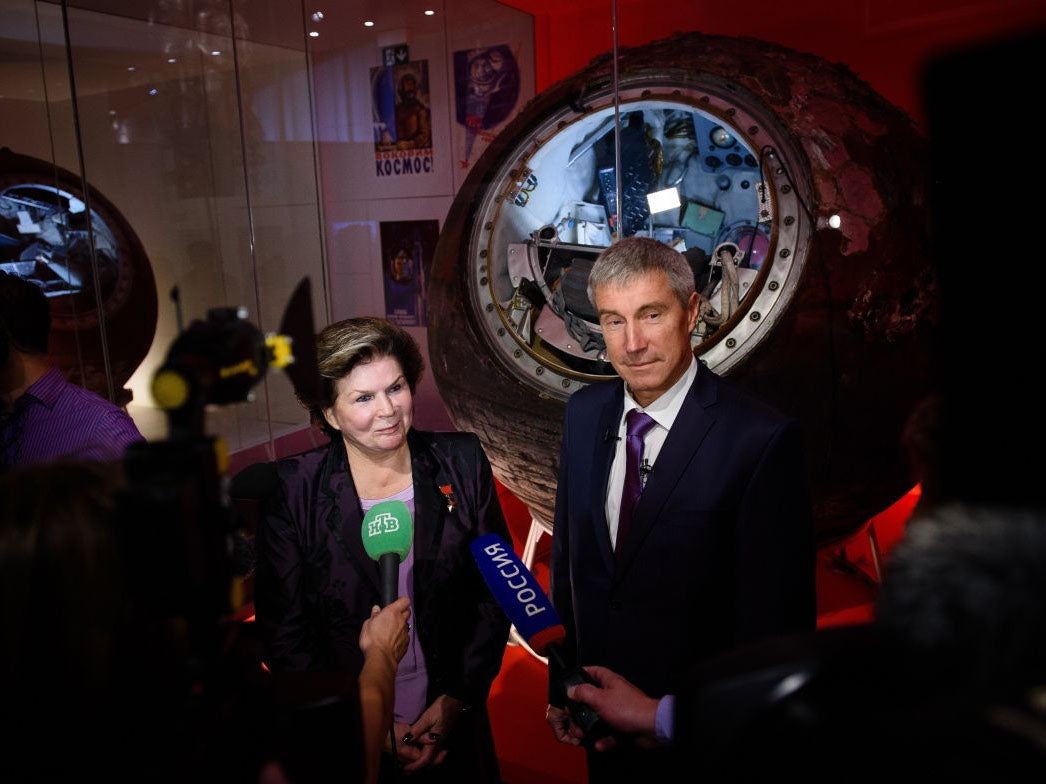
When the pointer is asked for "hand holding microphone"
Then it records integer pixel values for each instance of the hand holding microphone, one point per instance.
(383, 640)
(385, 631)
(623, 706)
(530, 611)
(387, 532)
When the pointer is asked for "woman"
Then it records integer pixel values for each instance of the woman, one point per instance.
(316, 585)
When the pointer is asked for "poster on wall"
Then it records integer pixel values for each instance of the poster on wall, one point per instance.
(407, 248)
(402, 119)
(486, 91)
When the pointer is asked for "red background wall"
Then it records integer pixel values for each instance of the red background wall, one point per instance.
(884, 41)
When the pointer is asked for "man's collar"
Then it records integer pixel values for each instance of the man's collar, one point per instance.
(47, 388)
(666, 407)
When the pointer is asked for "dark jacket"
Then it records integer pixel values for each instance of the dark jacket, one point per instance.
(720, 550)
(315, 584)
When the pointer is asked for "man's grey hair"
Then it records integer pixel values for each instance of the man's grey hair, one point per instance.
(628, 259)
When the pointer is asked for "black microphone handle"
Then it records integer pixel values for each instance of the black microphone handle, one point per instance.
(582, 715)
(389, 563)
(555, 655)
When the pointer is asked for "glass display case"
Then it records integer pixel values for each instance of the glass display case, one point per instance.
(170, 147)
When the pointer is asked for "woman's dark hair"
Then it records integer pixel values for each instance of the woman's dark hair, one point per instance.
(345, 344)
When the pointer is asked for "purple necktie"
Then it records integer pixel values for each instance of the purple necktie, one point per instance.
(637, 425)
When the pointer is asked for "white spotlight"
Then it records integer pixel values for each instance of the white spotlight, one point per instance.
(662, 201)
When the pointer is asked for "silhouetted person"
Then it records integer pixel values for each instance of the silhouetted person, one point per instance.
(42, 416)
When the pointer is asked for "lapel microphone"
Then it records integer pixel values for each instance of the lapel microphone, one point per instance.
(645, 469)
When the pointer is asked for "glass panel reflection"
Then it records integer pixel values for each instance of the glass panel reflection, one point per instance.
(203, 140)
(44, 238)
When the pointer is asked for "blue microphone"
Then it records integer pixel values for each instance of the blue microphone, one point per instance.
(518, 593)
(528, 609)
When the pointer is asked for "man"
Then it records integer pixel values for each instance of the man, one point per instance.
(717, 550)
(42, 416)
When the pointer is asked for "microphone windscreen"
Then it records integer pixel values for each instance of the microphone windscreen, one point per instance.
(517, 592)
(387, 528)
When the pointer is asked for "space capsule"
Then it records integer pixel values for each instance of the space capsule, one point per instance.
(796, 193)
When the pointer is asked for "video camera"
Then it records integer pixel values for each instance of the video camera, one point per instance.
(186, 555)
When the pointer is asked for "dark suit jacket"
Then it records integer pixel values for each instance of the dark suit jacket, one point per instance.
(720, 549)
(315, 584)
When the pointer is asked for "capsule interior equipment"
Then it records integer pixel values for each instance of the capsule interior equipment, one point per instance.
(44, 238)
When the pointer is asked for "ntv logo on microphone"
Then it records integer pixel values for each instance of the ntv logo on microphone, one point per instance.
(385, 523)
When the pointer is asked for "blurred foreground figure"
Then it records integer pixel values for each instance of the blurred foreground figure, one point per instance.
(63, 617)
(100, 682)
(951, 677)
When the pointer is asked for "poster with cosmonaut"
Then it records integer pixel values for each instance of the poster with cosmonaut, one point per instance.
(486, 91)
(407, 248)
(402, 119)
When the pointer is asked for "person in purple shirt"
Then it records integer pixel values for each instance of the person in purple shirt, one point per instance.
(42, 416)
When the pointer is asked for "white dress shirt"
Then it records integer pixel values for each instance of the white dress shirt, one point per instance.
(663, 411)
